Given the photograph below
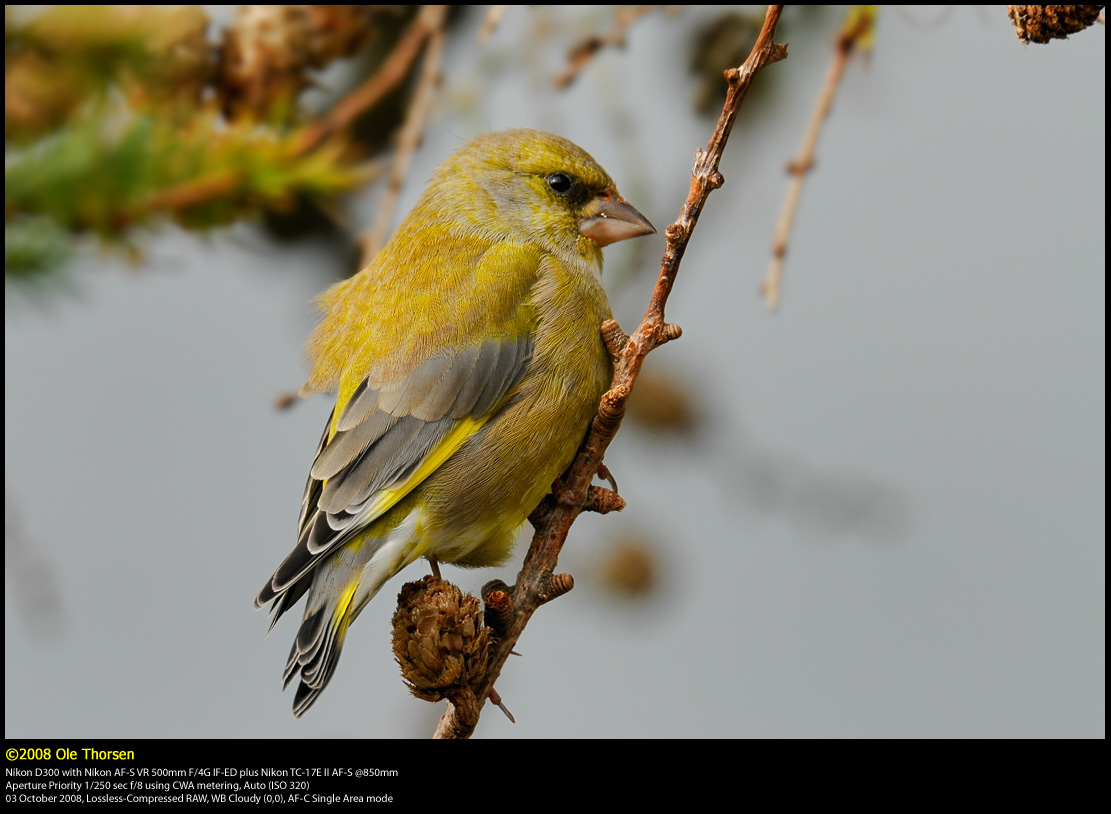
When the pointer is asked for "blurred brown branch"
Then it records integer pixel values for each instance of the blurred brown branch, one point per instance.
(856, 34)
(585, 51)
(490, 23)
(409, 138)
(392, 72)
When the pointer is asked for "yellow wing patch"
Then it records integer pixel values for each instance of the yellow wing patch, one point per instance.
(447, 446)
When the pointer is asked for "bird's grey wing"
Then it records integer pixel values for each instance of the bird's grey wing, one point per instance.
(387, 439)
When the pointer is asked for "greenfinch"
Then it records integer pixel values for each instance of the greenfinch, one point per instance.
(467, 362)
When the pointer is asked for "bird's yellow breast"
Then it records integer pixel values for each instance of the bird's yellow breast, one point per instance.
(479, 498)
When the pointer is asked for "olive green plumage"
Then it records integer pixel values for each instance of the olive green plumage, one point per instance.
(468, 363)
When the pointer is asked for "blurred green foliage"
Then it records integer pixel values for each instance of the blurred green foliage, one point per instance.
(119, 116)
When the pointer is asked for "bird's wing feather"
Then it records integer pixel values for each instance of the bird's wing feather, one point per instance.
(390, 436)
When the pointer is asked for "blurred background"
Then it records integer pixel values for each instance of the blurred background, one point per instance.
(877, 512)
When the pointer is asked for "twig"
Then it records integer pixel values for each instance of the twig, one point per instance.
(491, 22)
(582, 53)
(194, 192)
(858, 26)
(410, 135)
(537, 582)
(392, 72)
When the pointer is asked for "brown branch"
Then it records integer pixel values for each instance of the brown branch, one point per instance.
(187, 194)
(392, 72)
(411, 133)
(584, 52)
(491, 22)
(537, 581)
(857, 27)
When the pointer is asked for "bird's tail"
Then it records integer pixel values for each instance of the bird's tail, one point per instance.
(341, 587)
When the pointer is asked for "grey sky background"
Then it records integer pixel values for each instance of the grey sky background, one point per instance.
(890, 523)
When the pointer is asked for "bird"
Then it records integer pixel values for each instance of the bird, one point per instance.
(467, 361)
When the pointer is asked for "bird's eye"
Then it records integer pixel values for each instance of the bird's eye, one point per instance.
(559, 183)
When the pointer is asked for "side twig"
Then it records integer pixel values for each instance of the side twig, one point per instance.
(491, 22)
(386, 78)
(409, 137)
(584, 52)
(537, 582)
(857, 31)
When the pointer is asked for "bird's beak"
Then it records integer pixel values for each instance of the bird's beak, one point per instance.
(608, 219)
